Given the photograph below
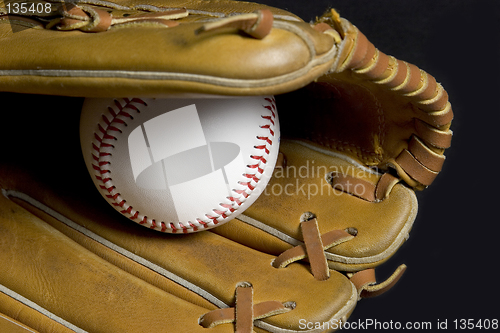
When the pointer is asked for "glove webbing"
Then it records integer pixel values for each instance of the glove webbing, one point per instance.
(420, 163)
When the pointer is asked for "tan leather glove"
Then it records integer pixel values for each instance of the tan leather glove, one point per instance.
(99, 272)
(390, 121)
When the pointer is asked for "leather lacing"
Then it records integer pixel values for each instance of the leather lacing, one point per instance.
(245, 312)
(257, 24)
(91, 18)
(313, 250)
(372, 193)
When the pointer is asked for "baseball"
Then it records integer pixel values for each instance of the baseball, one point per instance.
(180, 165)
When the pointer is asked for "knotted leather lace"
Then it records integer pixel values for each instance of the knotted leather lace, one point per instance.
(244, 312)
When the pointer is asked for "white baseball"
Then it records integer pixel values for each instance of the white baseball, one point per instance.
(180, 165)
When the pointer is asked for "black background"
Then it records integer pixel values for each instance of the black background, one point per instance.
(453, 251)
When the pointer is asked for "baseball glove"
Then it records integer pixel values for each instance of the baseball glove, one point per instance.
(360, 131)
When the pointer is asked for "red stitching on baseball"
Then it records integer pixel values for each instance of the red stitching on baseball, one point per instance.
(265, 138)
(153, 224)
(263, 147)
(204, 224)
(269, 118)
(262, 161)
(195, 228)
(135, 215)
